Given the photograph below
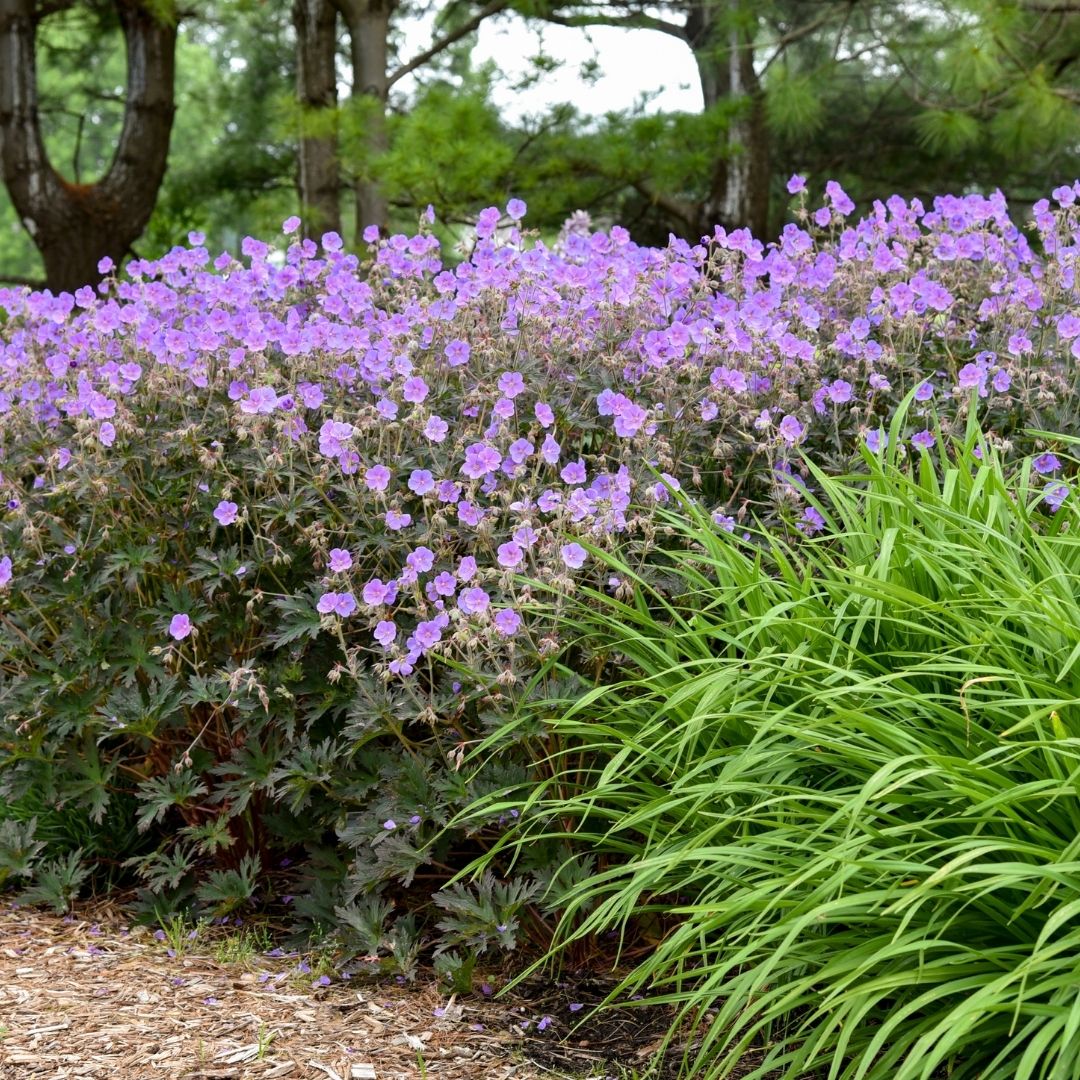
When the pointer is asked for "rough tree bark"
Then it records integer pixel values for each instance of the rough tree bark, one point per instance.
(75, 225)
(738, 193)
(316, 87)
(368, 23)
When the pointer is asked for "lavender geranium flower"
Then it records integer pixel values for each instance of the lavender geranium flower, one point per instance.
(574, 472)
(5, 571)
(573, 555)
(1045, 464)
(480, 459)
(340, 560)
(1055, 495)
(333, 603)
(377, 478)
(791, 430)
(507, 621)
(510, 555)
(923, 439)
(180, 626)
(436, 428)
(225, 512)
(421, 481)
(473, 601)
(376, 592)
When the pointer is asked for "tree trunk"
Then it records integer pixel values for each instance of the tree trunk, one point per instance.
(316, 88)
(368, 22)
(75, 225)
(723, 49)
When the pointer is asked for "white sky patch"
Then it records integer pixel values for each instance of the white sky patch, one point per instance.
(632, 63)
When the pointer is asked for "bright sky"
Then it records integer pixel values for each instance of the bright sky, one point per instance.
(632, 62)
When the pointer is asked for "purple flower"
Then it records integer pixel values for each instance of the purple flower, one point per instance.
(1055, 495)
(511, 383)
(510, 555)
(923, 439)
(5, 571)
(436, 428)
(290, 225)
(421, 481)
(574, 555)
(377, 478)
(812, 521)
(487, 222)
(428, 634)
(924, 391)
(466, 568)
(371, 234)
(970, 376)
(225, 512)
(375, 593)
(332, 603)
(385, 633)
(261, 400)
(340, 560)
(550, 450)
(458, 352)
(544, 415)
(1046, 463)
(839, 392)
(396, 520)
(1001, 381)
(107, 434)
(577, 1006)
(791, 430)
(507, 621)
(415, 390)
(574, 472)
(520, 451)
(444, 584)
(473, 601)
(515, 209)
(875, 440)
(389, 824)
(421, 559)
(796, 184)
(180, 626)
(480, 459)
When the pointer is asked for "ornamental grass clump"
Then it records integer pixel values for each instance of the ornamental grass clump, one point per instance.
(837, 784)
(272, 525)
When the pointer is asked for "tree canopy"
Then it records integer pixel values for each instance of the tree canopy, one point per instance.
(128, 123)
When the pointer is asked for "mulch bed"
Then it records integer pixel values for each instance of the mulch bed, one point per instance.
(89, 995)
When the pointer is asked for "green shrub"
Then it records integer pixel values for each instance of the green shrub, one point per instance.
(839, 783)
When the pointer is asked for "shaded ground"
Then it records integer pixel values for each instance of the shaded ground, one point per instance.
(87, 996)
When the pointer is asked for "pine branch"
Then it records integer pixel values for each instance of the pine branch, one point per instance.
(493, 7)
(630, 21)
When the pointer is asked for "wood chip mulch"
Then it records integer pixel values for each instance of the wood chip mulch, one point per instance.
(89, 996)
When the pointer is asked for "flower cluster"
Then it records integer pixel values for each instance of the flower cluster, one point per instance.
(305, 469)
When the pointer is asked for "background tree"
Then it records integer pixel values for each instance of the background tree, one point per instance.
(75, 224)
(319, 180)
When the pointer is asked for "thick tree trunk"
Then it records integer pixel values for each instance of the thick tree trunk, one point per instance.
(368, 22)
(75, 225)
(738, 192)
(316, 87)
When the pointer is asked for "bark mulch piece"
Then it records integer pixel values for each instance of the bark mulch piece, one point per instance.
(87, 996)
